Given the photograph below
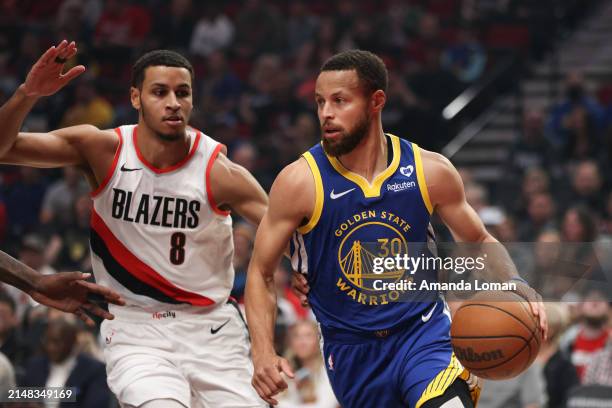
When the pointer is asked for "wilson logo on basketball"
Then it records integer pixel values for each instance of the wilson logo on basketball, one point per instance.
(470, 355)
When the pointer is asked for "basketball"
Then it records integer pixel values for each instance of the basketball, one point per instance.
(495, 335)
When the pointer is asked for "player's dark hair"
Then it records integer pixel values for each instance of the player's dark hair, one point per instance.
(370, 69)
(156, 58)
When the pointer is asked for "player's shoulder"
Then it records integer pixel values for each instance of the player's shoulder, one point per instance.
(91, 139)
(294, 187)
(436, 166)
(295, 176)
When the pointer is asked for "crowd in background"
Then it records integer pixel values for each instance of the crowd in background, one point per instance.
(256, 63)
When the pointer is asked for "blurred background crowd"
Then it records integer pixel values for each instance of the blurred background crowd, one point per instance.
(256, 63)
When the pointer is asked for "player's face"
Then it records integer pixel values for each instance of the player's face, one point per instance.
(343, 112)
(165, 101)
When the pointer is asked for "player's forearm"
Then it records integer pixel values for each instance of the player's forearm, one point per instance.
(12, 115)
(17, 274)
(260, 302)
(498, 263)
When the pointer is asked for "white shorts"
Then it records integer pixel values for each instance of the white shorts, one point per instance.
(200, 358)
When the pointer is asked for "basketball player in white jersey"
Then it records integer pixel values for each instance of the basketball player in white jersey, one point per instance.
(160, 233)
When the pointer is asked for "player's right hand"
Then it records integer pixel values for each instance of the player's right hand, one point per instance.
(46, 78)
(300, 287)
(267, 379)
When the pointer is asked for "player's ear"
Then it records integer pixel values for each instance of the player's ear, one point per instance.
(378, 100)
(135, 97)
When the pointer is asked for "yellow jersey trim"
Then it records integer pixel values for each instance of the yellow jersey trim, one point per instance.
(370, 190)
(443, 380)
(418, 162)
(319, 196)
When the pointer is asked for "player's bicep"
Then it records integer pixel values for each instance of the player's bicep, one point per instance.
(233, 187)
(282, 218)
(448, 197)
(54, 149)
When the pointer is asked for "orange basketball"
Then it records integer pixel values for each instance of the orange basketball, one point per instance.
(495, 335)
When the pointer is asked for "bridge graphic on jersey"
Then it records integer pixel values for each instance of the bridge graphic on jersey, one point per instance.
(358, 266)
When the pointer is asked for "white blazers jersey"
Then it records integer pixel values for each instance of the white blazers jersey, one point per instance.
(157, 236)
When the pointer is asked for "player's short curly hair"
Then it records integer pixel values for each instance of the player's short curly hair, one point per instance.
(156, 58)
(370, 69)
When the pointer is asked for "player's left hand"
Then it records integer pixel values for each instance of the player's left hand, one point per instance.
(69, 292)
(535, 302)
(300, 287)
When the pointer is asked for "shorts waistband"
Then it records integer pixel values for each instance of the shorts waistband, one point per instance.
(161, 315)
(345, 336)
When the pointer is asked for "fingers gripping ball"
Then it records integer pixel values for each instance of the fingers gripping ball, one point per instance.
(495, 335)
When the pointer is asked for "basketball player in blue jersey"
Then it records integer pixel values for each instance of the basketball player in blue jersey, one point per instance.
(362, 193)
(161, 233)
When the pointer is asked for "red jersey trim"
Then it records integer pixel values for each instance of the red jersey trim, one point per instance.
(111, 170)
(142, 271)
(211, 199)
(165, 169)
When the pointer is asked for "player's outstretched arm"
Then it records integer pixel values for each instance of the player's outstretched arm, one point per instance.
(283, 217)
(232, 186)
(66, 291)
(448, 200)
(45, 78)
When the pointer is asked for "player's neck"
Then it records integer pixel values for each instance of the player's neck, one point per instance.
(369, 158)
(161, 153)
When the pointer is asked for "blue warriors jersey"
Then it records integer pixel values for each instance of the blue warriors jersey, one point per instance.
(354, 225)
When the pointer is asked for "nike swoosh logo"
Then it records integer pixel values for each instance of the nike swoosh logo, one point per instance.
(214, 331)
(123, 168)
(333, 196)
(425, 318)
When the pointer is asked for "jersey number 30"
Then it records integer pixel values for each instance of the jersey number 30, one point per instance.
(177, 248)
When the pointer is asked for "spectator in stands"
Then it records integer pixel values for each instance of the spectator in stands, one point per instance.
(214, 30)
(548, 274)
(535, 180)
(58, 203)
(302, 25)
(466, 57)
(63, 366)
(258, 25)
(592, 332)
(532, 148)
(7, 375)
(221, 88)
(69, 246)
(173, 25)
(540, 216)
(600, 370)
(89, 107)
(121, 25)
(23, 201)
(562, 118)
(559, 372)
(310, 388)
(12, 343)
(527, 390)
(587, 185)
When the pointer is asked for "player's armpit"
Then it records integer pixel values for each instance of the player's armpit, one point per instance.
(232, 186)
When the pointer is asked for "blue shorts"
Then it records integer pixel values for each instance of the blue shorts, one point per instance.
(404, 367)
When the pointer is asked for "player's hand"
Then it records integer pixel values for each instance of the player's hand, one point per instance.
(535, 302)
(267, 379)
(300, 287)
(70, 292)
(46, 78)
